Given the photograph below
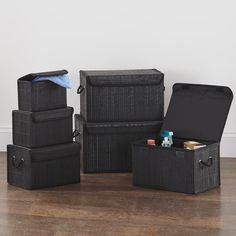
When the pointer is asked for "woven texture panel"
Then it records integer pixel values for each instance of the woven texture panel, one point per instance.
(40, 96)
(39, 169)
(136, 95)
(207, 178)
(38, 129)
(107, 147)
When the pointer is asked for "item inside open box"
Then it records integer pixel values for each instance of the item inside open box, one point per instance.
(195, 113)
(178, 144)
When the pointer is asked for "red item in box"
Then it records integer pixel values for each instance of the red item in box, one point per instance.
(151, 142)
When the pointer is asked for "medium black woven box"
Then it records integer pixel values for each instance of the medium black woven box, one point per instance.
(106, 147)
(43, 128)
(195, 112)
(123, 95)
(41, 95)
(43, 167)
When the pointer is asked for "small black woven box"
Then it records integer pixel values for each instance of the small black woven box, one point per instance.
(43, 167)
(43, 128)
(123, 95)
(41, 95)
(106, 147)
(195, 112)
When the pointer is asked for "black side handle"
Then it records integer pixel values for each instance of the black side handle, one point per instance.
(207, 163)
(19, 164)
(76, 133)
(80, 89)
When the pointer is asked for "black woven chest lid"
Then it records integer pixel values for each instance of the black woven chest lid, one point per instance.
(32, 76)
(198, 112)
(123, 77)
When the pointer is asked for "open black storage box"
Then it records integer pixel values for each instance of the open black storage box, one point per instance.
(41, 95)
(106, 147)
(43, 128)
(196, 112)
(43, 167)
(122, 95)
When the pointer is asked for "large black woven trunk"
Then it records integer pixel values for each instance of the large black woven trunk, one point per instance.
(106, 147)
(43, 167)
(127, 95)
(195, 112)
(44, 128)
(176, 169)
(42, 95)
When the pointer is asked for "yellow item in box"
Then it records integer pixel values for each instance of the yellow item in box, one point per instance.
(193, 145)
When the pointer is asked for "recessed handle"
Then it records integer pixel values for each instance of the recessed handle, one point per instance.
(207, 163)
(76, 133)
(16, 164)
(80, 89)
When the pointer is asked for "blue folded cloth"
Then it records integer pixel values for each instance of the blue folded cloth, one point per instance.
(62, 80)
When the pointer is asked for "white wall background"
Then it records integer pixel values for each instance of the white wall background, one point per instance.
(190, 41)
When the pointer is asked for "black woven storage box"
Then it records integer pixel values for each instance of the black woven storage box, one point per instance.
(43, 167)
(125, 95)
(44, 128)
(106, 147)
(41, 95)
(195, 112)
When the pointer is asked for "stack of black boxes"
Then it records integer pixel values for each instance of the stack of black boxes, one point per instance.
(43, 153)
(117, 108)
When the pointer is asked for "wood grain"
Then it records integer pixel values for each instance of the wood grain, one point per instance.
(108, 204)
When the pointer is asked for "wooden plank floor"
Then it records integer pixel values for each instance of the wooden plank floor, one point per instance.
(108, 204)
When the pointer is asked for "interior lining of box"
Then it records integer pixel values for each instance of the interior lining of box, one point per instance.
(198, 111)
(178, 144)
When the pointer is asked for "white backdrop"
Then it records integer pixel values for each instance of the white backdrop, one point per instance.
(190, 41)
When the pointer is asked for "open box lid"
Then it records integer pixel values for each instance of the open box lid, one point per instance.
(32, 76)
(198, 112)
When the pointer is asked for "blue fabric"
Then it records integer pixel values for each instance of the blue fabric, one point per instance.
(62, 80)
